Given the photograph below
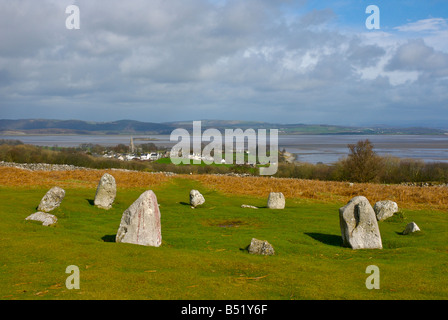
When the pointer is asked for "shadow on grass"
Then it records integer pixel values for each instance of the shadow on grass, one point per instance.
(329, 239)
(109, 238)
(91, 202)
(412, 234)
(184, 203)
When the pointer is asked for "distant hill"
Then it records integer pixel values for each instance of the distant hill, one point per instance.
(40, 126)
(54, 127)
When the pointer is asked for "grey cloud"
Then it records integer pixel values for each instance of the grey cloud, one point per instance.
(416, 55)
(364, 55)
(317, 17)
(195, 59)
(26, 27)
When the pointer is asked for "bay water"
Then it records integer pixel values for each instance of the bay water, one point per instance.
(307, 148)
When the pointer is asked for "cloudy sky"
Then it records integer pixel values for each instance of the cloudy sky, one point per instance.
(293, 61)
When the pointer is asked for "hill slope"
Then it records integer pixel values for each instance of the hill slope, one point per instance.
(43, 126)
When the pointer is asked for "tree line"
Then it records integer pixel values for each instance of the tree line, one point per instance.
(362, 164)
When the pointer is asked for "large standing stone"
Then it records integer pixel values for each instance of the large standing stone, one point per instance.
(385, 209)
(261, 247)
(105, 192)
(410, 228)
(51, 200)
(47, 219)
(276, 200)
(196, 198)
(359, 226)
(140, 223)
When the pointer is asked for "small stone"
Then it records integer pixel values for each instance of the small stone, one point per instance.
(276, 200)
(196, 198)
(385, 209)
(411, 227)
(261, 247)
(248, 206)
(52, 199)
(47, 219)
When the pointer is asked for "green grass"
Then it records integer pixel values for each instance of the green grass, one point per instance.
(203, 253)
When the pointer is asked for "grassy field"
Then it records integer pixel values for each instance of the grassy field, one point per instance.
(203, 253)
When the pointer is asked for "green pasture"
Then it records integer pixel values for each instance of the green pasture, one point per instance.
(204, 250)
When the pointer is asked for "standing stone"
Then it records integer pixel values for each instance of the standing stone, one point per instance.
(276, 200)
(410, 228)
(385, 209)
(140, 223)
(359, 227)
(196, 198)
(47, 219)
(105, 192)
(51, 200)
(261, 247)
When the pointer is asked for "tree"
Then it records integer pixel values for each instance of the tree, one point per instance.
(121, 148)
(362, 163)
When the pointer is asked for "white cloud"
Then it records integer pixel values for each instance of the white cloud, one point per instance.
(425, 25)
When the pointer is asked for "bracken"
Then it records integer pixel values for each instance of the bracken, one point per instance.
(78, 178)
(410, 197)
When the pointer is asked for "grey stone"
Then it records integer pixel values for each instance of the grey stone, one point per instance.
(359, 227)
(276, 200)
(140, 223)
(261, 247)
(47, 219)
(52, 199)
(106, 192)
(248, 206)
(411, 227)
(196, 198)
(385, 209)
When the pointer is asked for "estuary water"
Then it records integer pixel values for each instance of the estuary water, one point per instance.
(307, 148)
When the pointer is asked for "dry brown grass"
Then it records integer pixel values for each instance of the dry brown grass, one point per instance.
(327, 191)
(15, 177)
(323, 191)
